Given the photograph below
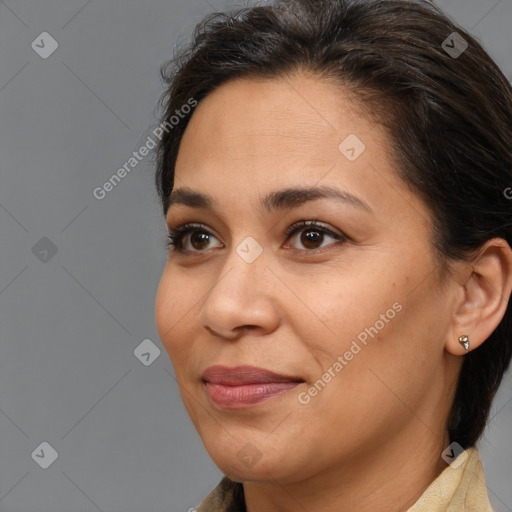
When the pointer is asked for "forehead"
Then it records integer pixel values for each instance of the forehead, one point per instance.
(304, 116)
(250, 127)
(250, 137)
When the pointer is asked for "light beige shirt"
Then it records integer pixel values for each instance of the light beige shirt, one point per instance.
(459, 488)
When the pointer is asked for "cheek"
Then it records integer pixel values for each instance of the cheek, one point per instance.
(174, 313)
(367, 328)
(365, 389)
(346, 308)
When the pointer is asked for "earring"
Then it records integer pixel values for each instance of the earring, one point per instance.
(464, 341)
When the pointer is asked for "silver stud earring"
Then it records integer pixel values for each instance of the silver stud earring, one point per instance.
(464, 341)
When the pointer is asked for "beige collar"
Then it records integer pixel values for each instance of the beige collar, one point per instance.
(457, 489)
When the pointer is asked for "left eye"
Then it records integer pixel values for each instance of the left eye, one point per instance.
(311, 232)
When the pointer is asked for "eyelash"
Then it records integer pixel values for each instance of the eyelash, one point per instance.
(176, 235)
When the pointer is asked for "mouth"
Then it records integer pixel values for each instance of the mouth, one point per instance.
(245, 386)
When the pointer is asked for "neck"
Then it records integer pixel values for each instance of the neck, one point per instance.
(391, 477)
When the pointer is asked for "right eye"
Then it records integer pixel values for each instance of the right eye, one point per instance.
(199, 236)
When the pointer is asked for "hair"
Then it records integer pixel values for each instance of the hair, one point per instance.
(448, 116)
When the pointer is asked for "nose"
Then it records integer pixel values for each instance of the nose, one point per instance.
(242, 297)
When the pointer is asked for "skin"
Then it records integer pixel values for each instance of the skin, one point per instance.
(373, 437)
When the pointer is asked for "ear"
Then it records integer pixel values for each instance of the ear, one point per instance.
(484, 294)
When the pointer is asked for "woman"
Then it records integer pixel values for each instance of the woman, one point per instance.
(335, 299)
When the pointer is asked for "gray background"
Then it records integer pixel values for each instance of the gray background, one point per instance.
(71, 321)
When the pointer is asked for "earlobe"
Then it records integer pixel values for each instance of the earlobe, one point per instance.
(485, 297)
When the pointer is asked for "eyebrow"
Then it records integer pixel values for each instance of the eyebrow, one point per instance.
(276, 200)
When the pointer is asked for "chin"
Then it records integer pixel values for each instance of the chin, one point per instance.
(247, 464)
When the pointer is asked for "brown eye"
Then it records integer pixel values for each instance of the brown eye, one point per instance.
(199, 238)
(312, 234)
(310, 238)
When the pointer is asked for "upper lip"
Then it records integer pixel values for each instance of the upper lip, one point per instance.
(240, 375)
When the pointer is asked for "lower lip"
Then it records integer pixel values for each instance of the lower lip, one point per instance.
(239, 397)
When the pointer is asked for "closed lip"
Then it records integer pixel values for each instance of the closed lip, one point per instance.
(244, 374)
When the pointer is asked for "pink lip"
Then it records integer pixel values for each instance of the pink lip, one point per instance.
(243, 386)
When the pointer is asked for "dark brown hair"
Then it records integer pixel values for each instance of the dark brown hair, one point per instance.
(449, 117)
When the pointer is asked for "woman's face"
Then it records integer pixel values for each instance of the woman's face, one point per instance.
(353, 304)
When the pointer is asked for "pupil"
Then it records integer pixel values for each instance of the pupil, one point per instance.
(196, 237)
(308, 239)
